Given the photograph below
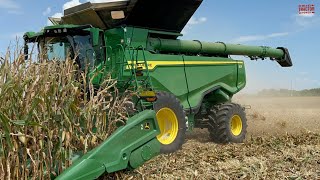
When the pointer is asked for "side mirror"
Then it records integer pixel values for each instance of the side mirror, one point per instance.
(94, 36)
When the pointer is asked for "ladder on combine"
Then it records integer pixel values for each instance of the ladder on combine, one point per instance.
(137, 67)
(140, 78)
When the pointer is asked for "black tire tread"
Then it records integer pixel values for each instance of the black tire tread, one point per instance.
(219, 118)
(165, 99)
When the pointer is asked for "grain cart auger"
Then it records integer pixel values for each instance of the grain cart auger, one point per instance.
(180, 84)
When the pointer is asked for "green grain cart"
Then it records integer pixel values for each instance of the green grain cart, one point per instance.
(181, 84)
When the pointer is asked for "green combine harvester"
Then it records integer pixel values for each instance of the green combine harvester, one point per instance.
(181, 84)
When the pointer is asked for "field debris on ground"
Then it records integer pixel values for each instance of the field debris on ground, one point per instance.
(261, 157)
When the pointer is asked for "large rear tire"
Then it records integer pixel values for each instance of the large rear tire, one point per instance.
(227, 123)
(171, 120)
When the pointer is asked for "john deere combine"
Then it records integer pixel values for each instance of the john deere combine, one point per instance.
(181, 84)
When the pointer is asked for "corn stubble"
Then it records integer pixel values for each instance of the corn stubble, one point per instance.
(45, 118)
(290, 157)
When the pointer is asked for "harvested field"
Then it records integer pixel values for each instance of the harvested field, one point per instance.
(281, 115)
(283, 142)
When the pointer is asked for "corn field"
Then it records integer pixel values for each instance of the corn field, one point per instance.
(51, 114)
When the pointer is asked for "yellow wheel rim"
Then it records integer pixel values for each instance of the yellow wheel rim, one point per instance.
(168, 124)
(236, 125)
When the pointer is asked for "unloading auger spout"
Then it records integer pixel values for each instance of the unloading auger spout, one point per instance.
(280, 54)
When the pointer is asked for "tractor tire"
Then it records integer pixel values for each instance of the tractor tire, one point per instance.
(227, 123)
(171, 120)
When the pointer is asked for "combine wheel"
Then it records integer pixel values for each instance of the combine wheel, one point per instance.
(227, 123)
(171, 120)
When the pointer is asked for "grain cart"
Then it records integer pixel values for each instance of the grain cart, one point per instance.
(180, 84)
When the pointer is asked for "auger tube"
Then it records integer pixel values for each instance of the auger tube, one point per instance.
(219, 48)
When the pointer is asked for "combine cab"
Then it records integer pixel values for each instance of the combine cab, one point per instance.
(181, 84)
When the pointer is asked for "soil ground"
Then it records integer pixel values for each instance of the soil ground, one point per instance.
(280, 115)
(283, 142)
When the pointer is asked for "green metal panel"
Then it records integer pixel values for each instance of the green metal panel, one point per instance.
(214, 74)
(241, 76)
(172, 72)
(136, 37)
(114, 153)
(219, 96)
(166, 77)
(144, 153)
(95, 36)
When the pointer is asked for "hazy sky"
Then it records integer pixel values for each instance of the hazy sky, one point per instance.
(271, 22)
